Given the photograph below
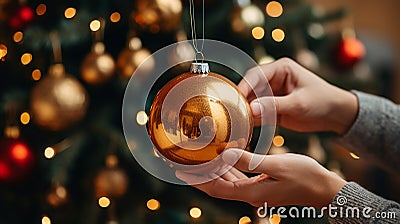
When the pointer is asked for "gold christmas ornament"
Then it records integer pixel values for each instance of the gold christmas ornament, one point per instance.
(130, 58)
(111, 181)
(158, 15)
(98, 66)
(197, 115)
(58, 101)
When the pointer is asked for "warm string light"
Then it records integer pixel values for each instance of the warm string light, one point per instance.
(354, 156)
(153, 204)
(278, 141)
(49, 153)
(18, 37)
(26, 58)
(70, 12)
(25, 118)
(36, 74)
(245, 220)
(115, 17)
(3, 51)
(94, 25)
(46, 220)
(278, 35)
(274, 9)
(258, 32)
(104, 202)
(195, 212)
(142, 118)
(41, 9)
(275, 219)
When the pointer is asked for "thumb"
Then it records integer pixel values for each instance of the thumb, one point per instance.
(244, 160)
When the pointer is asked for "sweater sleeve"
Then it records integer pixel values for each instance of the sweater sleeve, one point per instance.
(355, 205)
(375, 134)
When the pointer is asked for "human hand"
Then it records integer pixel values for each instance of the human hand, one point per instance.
(304, 102)
(284, 179)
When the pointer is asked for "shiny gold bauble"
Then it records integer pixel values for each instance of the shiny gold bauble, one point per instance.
(158, 15)
(194, 117)
(98, 66)
(111, 181)
(59, 100)
(130, 58)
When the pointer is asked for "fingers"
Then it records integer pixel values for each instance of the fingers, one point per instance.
(242, 160)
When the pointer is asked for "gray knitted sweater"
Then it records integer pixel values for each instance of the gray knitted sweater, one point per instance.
(374, 136)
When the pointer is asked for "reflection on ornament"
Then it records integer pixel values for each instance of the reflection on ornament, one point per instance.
(16, 160)
(196, 115)
(244, 19)
(98, 66)
(111, 181)
(58, 101)
(130, 59)
(158, 15)
(308, 59)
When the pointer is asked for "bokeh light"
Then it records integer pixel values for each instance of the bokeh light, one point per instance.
(70, 12)
(46, 220)
(245, 220)
(195, 212)
(142, 118)
(95, 25)
(258, 32)
(316, 30)
(18, 36)
(25, 118)
(115, 17)
(26, 58)
(3, 51)
(278, 141)
(153, 204)
(49, 153)
(36, 74)
(278, 35)
(20, 152)
(104, 202)
(41, 9)
(274, 9)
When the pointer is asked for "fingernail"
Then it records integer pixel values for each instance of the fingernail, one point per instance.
(255, 108)
(231, 156)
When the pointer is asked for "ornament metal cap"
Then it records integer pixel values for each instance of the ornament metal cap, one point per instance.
(199, 68)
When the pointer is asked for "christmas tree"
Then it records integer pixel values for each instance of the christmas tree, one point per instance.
(64, 69)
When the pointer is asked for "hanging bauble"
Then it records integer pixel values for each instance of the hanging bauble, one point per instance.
(349, 52)
(16, 160)
(155, 15)
(196, 115)
(245, 18)
(130, 58)
(98, 66)
(21, 17)
(111, 181)
(307, 58)
(59, 100)
(57, 195)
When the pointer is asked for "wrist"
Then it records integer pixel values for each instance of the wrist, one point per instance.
(332, 185)
(344, 110)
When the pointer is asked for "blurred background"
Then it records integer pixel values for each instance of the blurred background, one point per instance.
(64, 66)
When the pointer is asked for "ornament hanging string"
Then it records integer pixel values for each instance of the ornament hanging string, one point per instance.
(193, 31)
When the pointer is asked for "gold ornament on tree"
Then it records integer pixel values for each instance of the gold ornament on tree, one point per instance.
(131, 57)
(59, 100)
(111, 181)
(98, 66)
(158, 15)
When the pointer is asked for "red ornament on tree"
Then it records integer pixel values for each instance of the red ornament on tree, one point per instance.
(350, 51)
(21, 17)
(16, 160)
